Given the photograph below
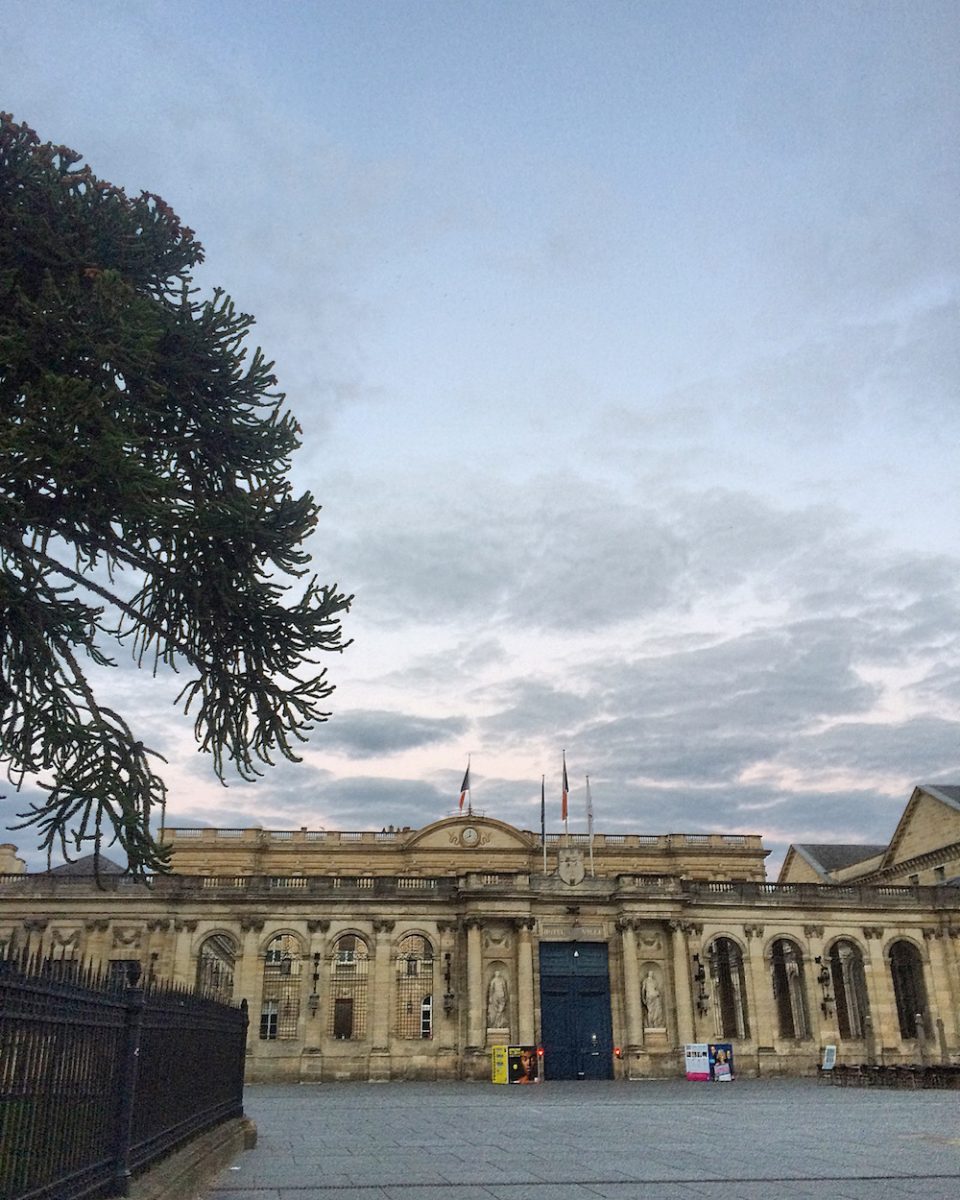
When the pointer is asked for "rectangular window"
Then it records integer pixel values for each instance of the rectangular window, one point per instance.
(268, 1021)
(343, 1018)
(426, 1017)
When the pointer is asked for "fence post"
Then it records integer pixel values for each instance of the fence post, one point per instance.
(134, 1001)
(242, 1051)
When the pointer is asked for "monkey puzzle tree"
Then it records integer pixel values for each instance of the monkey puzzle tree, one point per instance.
(144, 501)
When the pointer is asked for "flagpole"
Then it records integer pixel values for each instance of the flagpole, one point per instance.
(543, 819)
(566, 797)
(590, 825)
(470, 790)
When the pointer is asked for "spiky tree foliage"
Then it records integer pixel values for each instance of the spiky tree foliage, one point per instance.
(144, 502)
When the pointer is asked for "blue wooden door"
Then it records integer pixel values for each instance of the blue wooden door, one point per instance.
(575, 1022)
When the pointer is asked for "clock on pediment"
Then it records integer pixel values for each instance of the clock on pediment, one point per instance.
(469, 835)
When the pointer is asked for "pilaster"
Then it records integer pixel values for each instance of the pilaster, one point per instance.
(525, 1005)
(682, 983)
(633, 1009)
(476, 1010)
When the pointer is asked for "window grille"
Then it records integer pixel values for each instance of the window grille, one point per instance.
(849, 989)
(280, 1006)
(788, 990)
(414, 987)
(906, 967)
(215, 967)
(347, 1019)
(729, 989)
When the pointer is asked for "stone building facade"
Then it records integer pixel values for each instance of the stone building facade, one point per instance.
(410, 953)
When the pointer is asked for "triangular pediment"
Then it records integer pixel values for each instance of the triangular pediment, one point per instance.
(930, 820)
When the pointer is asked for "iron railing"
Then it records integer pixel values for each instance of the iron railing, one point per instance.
(97, 1081)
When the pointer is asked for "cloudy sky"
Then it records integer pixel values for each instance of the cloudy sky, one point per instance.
(624, 339)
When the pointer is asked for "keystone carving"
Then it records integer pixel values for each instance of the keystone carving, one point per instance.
(248, 924)
(127, 936)
(813, 931)
(318, 926)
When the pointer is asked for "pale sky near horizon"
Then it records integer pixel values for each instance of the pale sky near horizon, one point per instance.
(624, 339)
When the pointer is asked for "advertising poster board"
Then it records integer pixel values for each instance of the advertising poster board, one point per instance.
(498, 1064)
(696, 1060)
(523, 1065)
(721, 1062)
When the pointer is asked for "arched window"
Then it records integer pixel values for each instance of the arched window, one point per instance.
(414, 987)
(786, 966)
(906, 967)
(348, 988)
(216, 963)
(729, 989)
(280, 1005)
(849, 989)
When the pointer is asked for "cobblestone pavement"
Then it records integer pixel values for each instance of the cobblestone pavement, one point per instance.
(664, 1140)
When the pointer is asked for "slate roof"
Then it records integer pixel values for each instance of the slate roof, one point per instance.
(827, 857)
(85, 866)
(949, 793)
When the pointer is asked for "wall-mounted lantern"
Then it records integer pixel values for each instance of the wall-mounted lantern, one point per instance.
(700, 979)
(824, 978)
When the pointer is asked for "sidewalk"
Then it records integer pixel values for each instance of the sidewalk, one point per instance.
(665, 1140)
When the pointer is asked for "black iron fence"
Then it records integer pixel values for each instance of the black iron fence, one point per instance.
(99, 1077)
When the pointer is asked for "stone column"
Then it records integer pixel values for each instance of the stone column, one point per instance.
(447, 1003)
(96, 942)
(884, 1029)
(951, 946)
(825, 1022)
(382, 991)
(34, 936)
(316, 1001)
(249, 972)
(184, 968)
(633, 1009)
(525, 1004)
(938, 987)
(476, 1009)
(161, 953)
(683, 995)
(761, 1016)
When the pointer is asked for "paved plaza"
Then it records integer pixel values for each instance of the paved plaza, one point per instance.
(665, 1140)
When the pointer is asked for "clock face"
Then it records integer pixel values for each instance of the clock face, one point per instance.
(469, 836)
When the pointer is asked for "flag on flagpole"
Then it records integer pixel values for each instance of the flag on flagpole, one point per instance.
(465, 786)
(566, 789)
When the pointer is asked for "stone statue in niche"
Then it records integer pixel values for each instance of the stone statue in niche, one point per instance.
(652, 997)
(497, 1001)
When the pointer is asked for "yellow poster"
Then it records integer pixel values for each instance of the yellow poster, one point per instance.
(498, 1064)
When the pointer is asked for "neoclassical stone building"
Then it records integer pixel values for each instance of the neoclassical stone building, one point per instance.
(409, 953)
